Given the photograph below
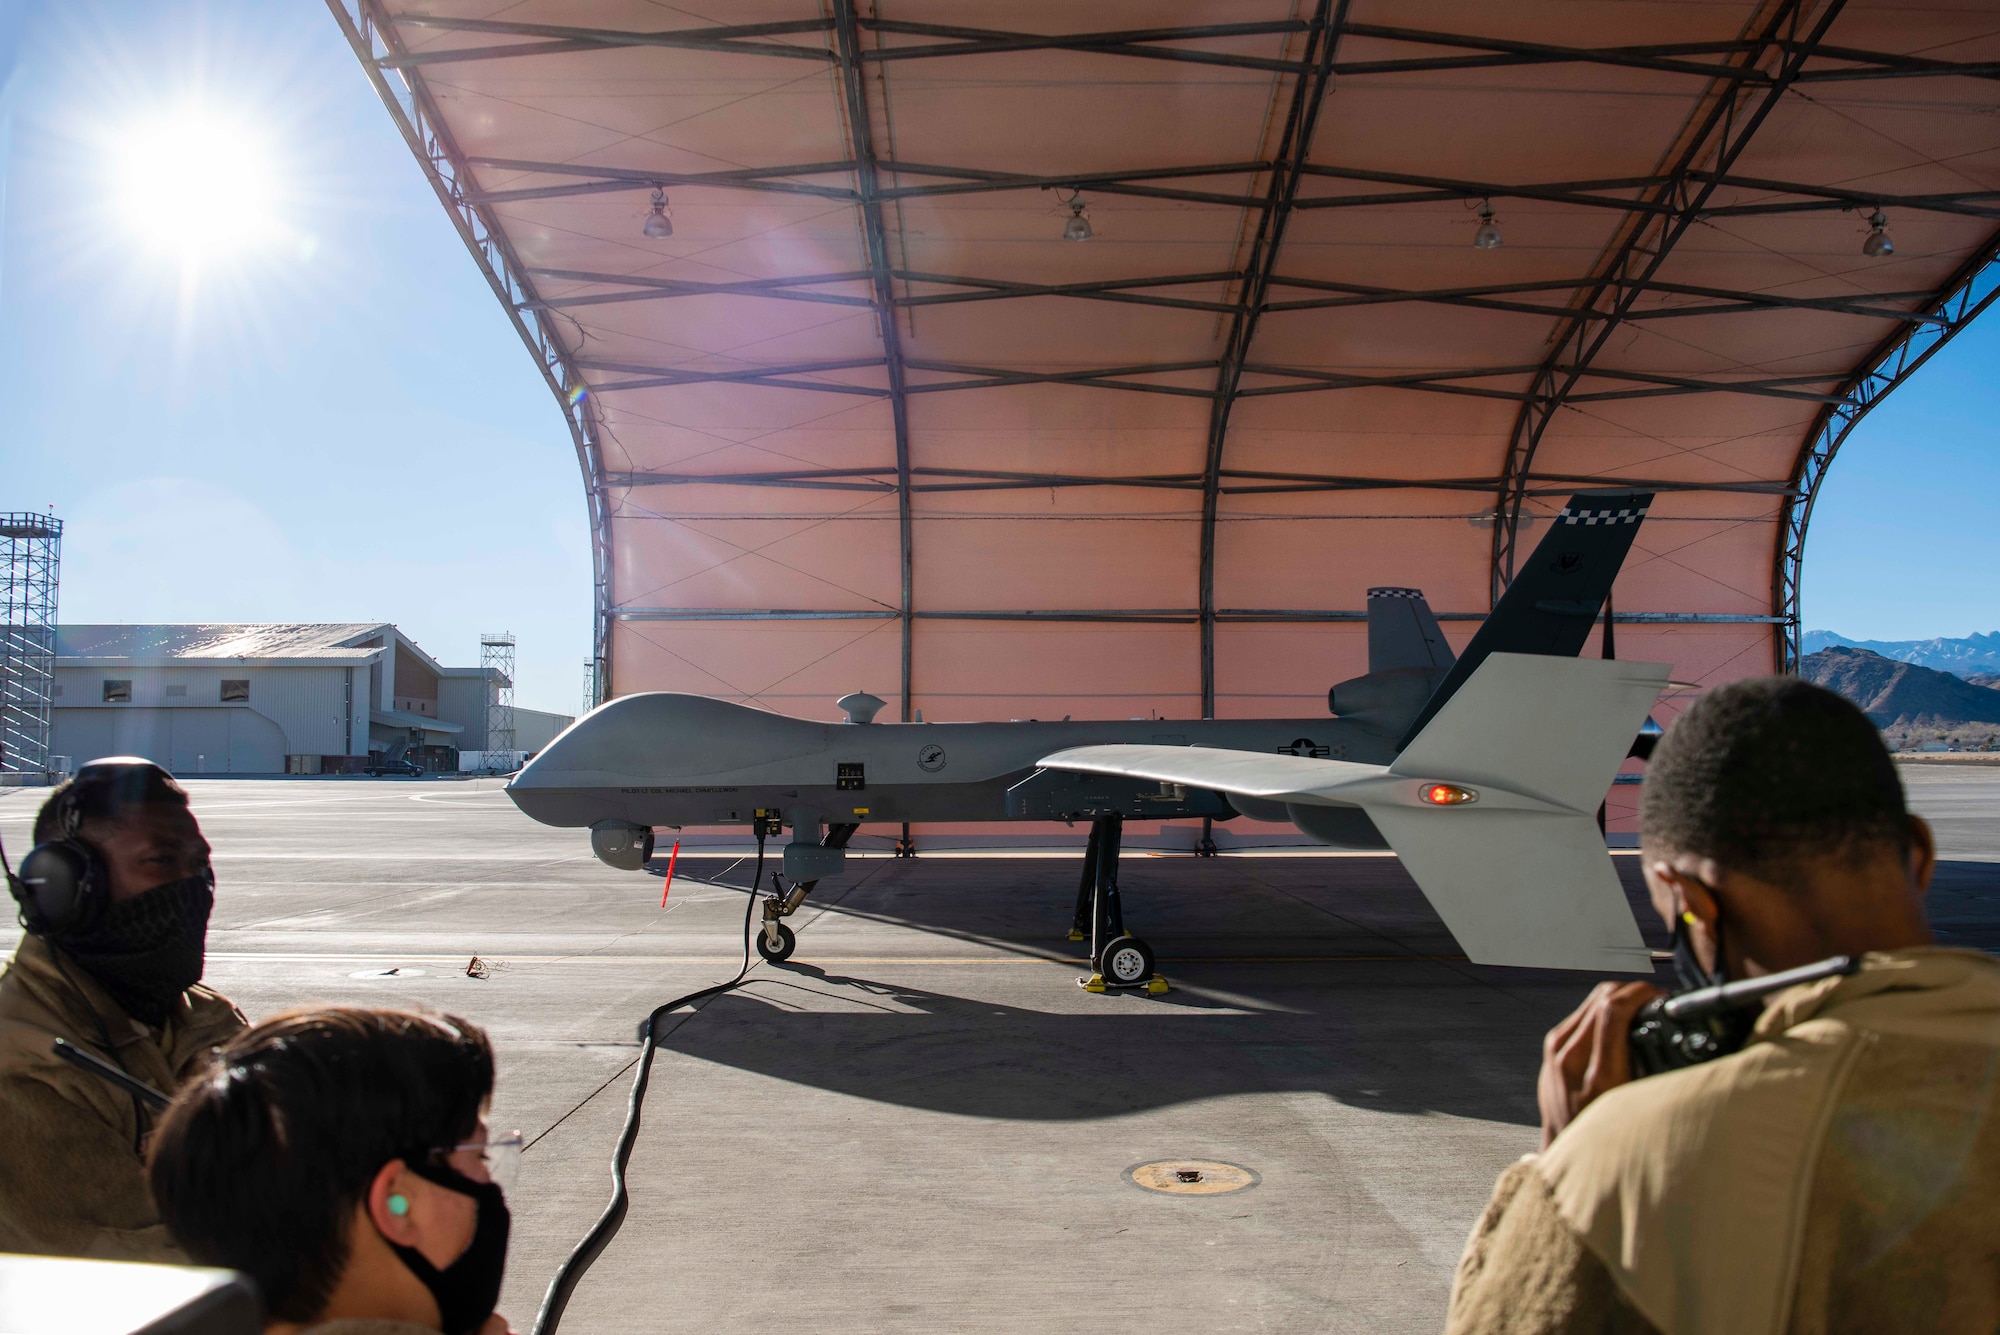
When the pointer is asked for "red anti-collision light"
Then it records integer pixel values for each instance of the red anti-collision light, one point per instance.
(1448, 795)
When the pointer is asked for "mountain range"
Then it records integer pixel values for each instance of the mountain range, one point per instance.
(1964, 655)
(1910, 703)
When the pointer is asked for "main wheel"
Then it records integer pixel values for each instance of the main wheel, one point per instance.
(1126, 962)
(787, 943)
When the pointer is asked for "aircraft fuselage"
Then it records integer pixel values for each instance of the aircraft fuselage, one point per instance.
(667, 759)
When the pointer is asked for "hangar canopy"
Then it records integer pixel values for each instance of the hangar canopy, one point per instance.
(1031, 359)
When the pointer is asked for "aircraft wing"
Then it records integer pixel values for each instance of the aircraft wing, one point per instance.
(1279, 777)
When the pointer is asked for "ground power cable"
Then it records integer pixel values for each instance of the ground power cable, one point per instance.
(571, 1272)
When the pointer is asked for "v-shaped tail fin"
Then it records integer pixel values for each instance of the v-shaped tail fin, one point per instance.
(1557, 592)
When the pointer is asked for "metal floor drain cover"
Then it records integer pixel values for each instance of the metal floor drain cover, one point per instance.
(387, 973)
(1192, 1177)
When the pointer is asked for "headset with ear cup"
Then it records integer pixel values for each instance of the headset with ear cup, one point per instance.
(62, 885)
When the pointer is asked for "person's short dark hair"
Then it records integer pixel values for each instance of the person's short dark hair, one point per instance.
(103, 790)
(1768, 774)
(259, 1164)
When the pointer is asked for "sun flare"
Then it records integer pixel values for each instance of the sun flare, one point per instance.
(197, 185)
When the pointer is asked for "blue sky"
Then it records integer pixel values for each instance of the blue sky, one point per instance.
(1905, 539)
(329, 418)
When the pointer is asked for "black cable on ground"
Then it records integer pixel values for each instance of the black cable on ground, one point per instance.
(606, 1228)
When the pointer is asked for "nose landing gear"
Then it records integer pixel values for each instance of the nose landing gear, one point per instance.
(776, 942)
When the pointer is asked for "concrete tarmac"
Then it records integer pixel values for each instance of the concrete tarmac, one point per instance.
(923, 1122)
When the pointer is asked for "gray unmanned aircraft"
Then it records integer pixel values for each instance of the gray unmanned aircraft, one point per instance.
(1483, 772)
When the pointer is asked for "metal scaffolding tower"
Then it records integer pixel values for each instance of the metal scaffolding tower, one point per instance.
(593, 684)
(31, 545)
(496, 656)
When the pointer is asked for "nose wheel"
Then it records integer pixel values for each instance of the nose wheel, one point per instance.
(776, 942)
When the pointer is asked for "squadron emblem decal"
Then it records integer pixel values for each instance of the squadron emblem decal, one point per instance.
(931, 759)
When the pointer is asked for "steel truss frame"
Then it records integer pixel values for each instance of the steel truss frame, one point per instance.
(1970, 292)
(1746, 80)
(1724, 131)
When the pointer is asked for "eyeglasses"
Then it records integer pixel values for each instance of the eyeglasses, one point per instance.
(501, 1156)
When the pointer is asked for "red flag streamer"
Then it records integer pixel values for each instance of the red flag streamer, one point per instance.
(676, 857)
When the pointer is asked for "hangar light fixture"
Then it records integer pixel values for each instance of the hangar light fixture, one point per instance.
(1878, 243)
(1488, 236)
(659, 226)
(1078, 226)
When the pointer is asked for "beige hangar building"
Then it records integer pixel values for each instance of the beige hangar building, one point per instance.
(286, 698)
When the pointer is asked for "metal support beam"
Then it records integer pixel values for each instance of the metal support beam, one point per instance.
(1721, 136)
(1655, 195)
(1138, 42)
(1170, 616)
(1314, 75)
(861, 139)
(1114, 290)
(1880, 65)
(1824, 198)
(639, 288)
(1112, 377)
(560, 40)
(1137, 291)
(1119, 377)
(979, 181)
(1704, 60)
(1721, 301)
(371, 34)
(1960, 300)
(1423, 189)
(1234, 481)
(603, 180)
(1438, 382)
(767, 377)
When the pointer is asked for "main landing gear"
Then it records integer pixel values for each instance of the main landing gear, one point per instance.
(776, 942)
(1117, 958)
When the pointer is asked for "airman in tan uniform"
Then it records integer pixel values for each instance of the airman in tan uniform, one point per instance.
(1836, 1174)
(1841, 1172)
(72, 1157)
(118, 981)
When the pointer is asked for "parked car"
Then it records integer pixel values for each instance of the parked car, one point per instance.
(381, 767)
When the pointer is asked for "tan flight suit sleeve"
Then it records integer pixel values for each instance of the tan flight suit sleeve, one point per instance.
(1525, 1272)
(90, 1199)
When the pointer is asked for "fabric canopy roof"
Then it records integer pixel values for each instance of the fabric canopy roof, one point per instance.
(866, 419)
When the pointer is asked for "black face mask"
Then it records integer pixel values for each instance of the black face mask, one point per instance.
(467, 1289)
(1688, 973)
(147, 950)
